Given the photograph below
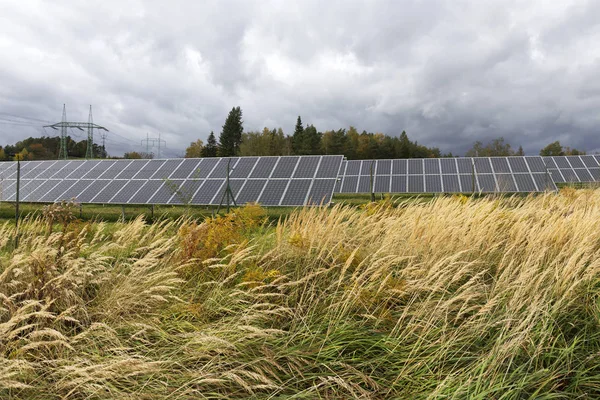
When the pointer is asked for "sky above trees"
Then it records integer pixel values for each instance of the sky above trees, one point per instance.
(449, 73)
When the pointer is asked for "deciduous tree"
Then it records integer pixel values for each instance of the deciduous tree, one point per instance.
(195, 149)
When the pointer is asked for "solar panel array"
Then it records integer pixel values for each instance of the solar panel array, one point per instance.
(271, 181)
(284, 181)
(571, 169)
(446, 175)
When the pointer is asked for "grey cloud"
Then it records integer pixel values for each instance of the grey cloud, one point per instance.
(447, 72)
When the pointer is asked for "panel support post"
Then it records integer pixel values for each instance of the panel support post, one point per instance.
(473, 174)
(17, 201)
(371, 182)
(227, 193)
(123, 212)
(152, 211)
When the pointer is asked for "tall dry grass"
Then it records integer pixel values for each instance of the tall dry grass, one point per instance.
(454, 298)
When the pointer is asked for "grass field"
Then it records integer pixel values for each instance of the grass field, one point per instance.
(452, 297)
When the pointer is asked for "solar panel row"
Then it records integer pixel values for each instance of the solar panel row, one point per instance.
(446, 175)
(293, 180)
(571, 169)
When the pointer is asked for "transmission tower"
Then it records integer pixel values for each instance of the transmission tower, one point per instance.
(62, 153)
(89, 153)
(103, 137)
(64, 124)
(151, 142)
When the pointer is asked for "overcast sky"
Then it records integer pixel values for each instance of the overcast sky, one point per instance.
(448, 72)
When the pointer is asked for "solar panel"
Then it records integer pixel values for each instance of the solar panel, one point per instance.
(448, 166)
(100, 169)
(595, 172)
(251, 191)
(127, 192)
(384, 167)
(185, 193)
(432, 166)
(149, 169)
(452, 175)
(416, 184)
(569, 175)
(74, 190)
(296, 192)
(143, 195)
(382, 183)
(163, 194)
(500, 165)
(415, 167)
(525, 183)
(189, 167)
(220, 170)
(364, 184)
(353, 167)
(590, 161)
(40, 189)
(535, 164)
(207, 191)
(110, 189)
(350, 184)
(114, 170)
(487, 183)
(88, 194)
(264, 167)
(166, 169)
(450, 183)
(306, 167)
(321, 191)
(329, 168)
(465, 165)
(433, 183)
(399, 184)
(572, 169)
(244, 167)
(506, 183)
(482, 166)
(518, 165)
(273, 192)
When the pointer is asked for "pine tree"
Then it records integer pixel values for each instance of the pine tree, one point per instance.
(520, 152)
(210, 150)
(231, 135)
(298, 138)
(312, 141)
(404, 147)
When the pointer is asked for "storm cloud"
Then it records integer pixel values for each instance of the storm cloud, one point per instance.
(448, 72)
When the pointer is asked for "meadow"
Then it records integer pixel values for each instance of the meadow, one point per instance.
(450, 298)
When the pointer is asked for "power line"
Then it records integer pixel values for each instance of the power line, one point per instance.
(64, 124)
(22, 117)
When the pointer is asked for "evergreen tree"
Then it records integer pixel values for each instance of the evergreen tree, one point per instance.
(298, 142)
(231, 135)
(404, 147)
(210, 150)
(311, 141)
(520, 152)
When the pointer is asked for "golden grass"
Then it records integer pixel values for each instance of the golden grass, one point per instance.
(453, 298)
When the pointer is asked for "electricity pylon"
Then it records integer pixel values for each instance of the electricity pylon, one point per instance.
(151, 142)
(64, 124)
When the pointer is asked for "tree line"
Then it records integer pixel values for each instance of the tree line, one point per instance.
(47, 148)
(305, 140)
